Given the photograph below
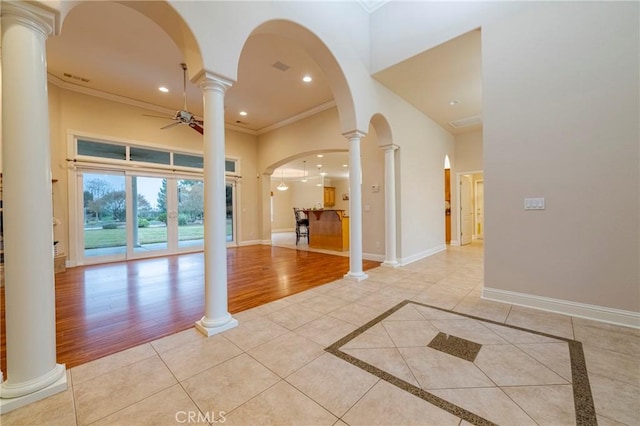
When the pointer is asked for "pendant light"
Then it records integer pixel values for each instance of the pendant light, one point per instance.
(304, 172)
(283, 186)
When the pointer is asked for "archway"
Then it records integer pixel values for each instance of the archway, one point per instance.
(314, 180)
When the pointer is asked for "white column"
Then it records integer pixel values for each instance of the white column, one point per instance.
(265, 208)
(355, 208)
(216, 317)
(32, 371)
(390, 258)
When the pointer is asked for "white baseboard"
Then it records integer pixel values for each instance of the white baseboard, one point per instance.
(374, 257)
(250, 243)
(283, 230)
(430, 252)
(266, 242)
(581, 310)
(454, 242)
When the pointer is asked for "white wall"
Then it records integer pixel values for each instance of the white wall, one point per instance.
(561, 112)
(401, 29)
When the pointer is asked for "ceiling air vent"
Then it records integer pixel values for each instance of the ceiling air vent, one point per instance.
(75, 77)
(280, 66)
(466, 122)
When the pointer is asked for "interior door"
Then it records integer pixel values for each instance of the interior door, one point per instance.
(480, 209)
(466, 210)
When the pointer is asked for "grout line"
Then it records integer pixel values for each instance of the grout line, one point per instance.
(583, 400)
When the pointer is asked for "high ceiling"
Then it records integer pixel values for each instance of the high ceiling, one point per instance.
(135, 57)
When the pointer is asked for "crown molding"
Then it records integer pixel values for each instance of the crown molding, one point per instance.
(105, 95)
(297, 117)
(152, 107)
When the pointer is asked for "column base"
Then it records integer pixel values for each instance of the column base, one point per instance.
(355, 276)
(390, 263)
(9, 403)
(209, 328)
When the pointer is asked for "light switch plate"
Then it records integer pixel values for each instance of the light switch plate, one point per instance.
(534, 203)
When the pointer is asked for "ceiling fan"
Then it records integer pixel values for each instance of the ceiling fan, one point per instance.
(183, 116)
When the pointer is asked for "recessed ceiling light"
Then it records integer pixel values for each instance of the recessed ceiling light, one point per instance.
(319, 166)
(454, 102)
(163, 89)
(243, 113)
(318, 184)
(307, 79)
(320, 155)
(345, 165)
(323, 173)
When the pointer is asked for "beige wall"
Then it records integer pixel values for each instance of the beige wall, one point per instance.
(467, 158)
(283, 219)
(373, 207)
(342, 187)
(561, 122)
(76, 112)
(319, 133)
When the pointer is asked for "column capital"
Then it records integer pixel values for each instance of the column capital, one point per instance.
(389, 147)
(208, 80)
(40, 19)
(354, 134)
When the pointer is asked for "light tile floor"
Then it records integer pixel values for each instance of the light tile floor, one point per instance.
(355, 353)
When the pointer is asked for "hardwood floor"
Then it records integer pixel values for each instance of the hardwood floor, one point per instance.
(103, 309)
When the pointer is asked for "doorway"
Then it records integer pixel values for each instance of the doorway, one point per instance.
(127, 215)
(470, 199)
(479, 209)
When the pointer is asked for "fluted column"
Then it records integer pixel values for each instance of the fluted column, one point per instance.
(390, 258)
(216, 318)
(32, 371)
(355, 208)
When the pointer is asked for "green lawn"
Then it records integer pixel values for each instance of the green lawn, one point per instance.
(100, 238)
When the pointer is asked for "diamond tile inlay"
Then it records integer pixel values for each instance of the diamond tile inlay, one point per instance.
(456, 346)
(441, 392)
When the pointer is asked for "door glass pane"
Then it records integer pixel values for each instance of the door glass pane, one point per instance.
(104, 204)
(229, 191)
(190, 213)
(149, 214)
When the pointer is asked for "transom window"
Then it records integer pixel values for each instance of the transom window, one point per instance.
(146, 155)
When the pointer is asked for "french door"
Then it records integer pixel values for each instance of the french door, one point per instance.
(128, 215)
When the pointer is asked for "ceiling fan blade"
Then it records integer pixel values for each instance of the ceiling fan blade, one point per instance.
(197, 127)
(168, 126)
(200, 122)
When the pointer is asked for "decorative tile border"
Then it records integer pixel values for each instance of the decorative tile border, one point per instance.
(583, 401)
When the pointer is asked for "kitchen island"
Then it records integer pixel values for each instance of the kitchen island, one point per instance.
(328, 229)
